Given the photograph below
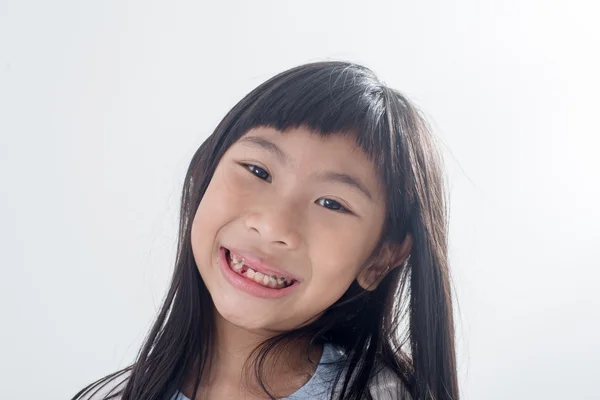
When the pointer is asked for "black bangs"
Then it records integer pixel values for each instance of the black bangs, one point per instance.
(328, 98)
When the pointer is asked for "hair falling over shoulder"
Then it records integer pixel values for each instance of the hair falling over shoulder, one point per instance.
(405, 324)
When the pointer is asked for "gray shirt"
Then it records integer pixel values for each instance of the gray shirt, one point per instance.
(385, 385)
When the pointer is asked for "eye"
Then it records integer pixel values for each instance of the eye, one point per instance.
(332, 205)
(259, 172)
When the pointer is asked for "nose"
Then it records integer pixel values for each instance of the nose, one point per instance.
(277, 224)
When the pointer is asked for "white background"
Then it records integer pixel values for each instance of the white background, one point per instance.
(103, 103)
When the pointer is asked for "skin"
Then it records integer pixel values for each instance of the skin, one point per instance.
(276, 201)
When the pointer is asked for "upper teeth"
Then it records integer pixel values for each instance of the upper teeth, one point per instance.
(237, 262)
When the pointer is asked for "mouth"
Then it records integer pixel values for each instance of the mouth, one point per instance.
(237, 264)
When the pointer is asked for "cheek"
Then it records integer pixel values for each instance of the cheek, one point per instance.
(212, 214)
(337, 259)
(225, 198)
(338, 255)
(343, 250)
(331, 281)
(333, 275)
(222, 198)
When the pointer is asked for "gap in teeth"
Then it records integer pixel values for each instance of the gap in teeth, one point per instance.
(272, 281)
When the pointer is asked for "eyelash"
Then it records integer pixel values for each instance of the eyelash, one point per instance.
(260, 174)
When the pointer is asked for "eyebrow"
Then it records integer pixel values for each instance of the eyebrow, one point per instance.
(346, 179)
(267, 145)
(328, 176)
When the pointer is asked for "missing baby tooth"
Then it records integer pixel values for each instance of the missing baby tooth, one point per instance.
(237, 264)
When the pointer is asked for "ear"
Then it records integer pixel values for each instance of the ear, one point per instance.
(391, 256)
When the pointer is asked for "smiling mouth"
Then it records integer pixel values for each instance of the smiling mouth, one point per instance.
(237, 265)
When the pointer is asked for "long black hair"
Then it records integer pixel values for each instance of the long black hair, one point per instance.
(406, 323)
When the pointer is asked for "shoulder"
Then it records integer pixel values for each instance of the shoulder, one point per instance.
(387, 385)
(384, 384)
(107, 388)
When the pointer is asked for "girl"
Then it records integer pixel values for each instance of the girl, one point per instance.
(312, 256)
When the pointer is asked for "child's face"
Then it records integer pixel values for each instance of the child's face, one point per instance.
(275, 198)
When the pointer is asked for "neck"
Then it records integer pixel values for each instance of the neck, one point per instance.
(285, 370)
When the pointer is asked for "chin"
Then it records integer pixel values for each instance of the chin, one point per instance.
(244, 319)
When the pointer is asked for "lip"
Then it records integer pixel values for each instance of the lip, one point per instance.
(260, 265)
(248, 285)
